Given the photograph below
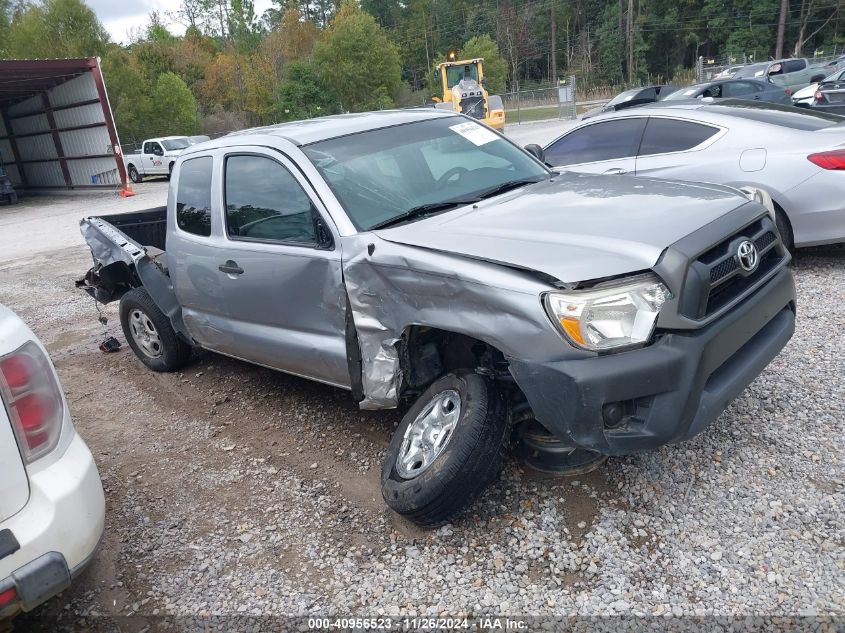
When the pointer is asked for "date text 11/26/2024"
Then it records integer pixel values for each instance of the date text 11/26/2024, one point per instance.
(484, 623)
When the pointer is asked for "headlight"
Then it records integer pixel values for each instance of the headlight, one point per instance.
(609, 317)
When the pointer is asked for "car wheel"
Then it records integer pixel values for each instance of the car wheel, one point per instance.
(134, 176)
(785, 229)
(150, 333)
(448, 447)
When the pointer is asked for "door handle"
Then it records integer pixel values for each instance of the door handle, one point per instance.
(614, 171)
(230, 268)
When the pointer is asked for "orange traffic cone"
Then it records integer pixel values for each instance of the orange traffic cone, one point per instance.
(126, 192)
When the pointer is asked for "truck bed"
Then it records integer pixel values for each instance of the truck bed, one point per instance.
(147, 228)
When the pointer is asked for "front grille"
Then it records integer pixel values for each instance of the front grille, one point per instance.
(473, 106)
(715, 279)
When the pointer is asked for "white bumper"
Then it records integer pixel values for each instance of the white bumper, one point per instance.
(65, 514)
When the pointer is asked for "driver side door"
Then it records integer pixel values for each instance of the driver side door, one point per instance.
(153, 158)
(605, 147)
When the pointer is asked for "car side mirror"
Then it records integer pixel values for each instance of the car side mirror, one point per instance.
(158, 151)
(536, 151)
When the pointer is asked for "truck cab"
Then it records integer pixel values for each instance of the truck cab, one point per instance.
(156, 158)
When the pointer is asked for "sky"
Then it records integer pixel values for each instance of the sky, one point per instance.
(120, 16)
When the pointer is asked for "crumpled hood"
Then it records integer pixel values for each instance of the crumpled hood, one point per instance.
(575, 227)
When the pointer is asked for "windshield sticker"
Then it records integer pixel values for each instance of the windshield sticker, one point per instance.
(474, 133)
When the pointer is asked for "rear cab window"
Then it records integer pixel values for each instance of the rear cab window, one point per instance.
(193, 196)
(663, 136)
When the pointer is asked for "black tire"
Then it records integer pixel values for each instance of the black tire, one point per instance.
(785, 229)
(469, 461)
(134, 176)
(166, 352)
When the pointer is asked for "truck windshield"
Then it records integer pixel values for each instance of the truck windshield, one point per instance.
(172, 144)
(437, 164)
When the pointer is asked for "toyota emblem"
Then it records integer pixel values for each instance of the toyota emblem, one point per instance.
(747, 255)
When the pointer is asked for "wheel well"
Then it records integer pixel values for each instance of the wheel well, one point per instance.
(427, 353)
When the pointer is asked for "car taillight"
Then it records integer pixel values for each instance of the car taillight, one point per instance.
(818, 96)
(33, 399)
(7, 597)
(788, 91)
(834, 159)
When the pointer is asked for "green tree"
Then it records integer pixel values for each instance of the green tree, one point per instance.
(172, 108)
(301, 96)
(56, 28)
(129, 101)
(495, 68)
(357, 61)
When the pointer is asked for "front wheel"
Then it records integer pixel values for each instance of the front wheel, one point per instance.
(134, 176)
(448, 447)
(150, 333)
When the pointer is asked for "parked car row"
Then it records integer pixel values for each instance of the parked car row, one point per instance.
(793, 154)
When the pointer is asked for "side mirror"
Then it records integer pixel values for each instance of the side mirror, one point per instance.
(536, 151)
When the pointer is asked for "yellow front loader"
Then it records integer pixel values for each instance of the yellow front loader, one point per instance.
(463, 91)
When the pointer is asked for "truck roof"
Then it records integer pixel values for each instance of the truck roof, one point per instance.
(323, 128)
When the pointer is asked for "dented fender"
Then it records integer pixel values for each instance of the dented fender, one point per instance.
(392, 287)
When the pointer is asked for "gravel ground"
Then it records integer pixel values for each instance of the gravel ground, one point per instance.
(236, 491)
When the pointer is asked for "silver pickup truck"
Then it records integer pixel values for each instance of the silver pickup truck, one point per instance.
(418, 256)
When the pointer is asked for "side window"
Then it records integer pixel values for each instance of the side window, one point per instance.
(599, 141)
(666, 135)
(193, 196)
(739, 88)
(714, 91)
(148, 148)
(650, 94)
(265, 202)
(794, 65)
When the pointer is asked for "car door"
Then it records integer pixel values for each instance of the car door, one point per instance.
(670, 146)
(604, 147)
(742, 90)
(265, 284)
(153, 158)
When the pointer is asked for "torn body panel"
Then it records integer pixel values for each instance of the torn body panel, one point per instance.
(392, 287)
(121, 263)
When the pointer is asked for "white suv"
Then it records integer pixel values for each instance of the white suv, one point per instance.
(51, 500)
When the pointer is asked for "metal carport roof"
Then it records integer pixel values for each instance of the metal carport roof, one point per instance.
(56, 125)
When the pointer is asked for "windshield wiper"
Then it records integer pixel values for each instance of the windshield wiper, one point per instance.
(508, 186)
(415, 213)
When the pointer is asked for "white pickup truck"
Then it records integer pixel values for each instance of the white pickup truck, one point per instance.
(156, 158)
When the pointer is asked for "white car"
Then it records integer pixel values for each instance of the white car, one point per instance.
(805, 96)
(52, 506)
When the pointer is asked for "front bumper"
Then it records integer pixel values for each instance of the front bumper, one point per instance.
(669, 391)
(58, 530)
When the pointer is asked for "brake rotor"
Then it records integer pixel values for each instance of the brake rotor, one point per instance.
(546, 453)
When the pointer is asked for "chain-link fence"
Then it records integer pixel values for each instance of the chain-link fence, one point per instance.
(542, 102)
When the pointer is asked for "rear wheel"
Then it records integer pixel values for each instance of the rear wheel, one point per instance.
(448, 447)
(150, 333)
(134, 176)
